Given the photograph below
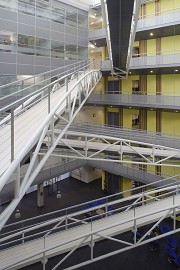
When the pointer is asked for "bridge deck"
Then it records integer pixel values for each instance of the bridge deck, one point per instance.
(31, 252)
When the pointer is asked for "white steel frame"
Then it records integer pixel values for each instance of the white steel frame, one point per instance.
(99, 147)
(94, 232)
(83, 87)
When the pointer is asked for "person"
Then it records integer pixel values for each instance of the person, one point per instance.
(154, 245)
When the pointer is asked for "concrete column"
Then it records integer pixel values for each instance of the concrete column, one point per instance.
(40, 195)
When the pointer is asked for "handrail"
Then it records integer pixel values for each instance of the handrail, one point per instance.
(145, 198)
(88, 80)
(157, 53)
(161, 135)
(110, 198)
(159, 13)
(69, 70)
(158, 94)
(44, 73)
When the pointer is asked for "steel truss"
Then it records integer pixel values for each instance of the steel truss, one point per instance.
(140, 209)
(72, 102)
(81, 145)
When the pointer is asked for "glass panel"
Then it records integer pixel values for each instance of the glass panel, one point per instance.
(58, 14)
(27, 6)
(43, 9)
(57, 49)
(82, 53)
(71, 18)
(82, 21)
(8, 41)
(71, 52)
(26, 44)
(11, 4)
(42, 46)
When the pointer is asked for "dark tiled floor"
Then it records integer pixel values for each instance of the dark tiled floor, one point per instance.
(74, 192)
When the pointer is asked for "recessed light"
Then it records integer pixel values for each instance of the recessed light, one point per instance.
(151, 71)
(151, 34)
(176, 70)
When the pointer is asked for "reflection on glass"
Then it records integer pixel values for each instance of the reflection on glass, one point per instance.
(58, 14)
(82, 21)
(12, 4)
(57, 49)
(71, 52)
(71, 18)
(26, 6)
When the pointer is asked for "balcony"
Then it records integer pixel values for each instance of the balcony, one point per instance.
(165, 101)
(98, 37)
(162, 19)
(151, 60)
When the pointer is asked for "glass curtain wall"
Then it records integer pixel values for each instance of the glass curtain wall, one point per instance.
(44, 28)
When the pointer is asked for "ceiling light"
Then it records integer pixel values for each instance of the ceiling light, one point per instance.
(176, 70)
(129, 107)
(151, 71)
(176, 111)
(151, 109)
(151, 34)
(130, 72)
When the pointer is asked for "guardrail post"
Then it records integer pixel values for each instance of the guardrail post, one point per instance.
(17, 183)
(12, 134)
(49, 101)
(66, 221)
(92, 245)
(23, 237)
(135, 227)
(66, 85)
(44, 255)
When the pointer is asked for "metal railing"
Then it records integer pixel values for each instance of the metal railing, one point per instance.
(39, 83)
(135, 98)
(75, 92)
(111, 205)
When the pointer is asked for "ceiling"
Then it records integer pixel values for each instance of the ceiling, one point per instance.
(165, 31)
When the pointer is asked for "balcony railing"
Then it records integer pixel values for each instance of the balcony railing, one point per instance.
(97, 34)
(168, 100)
(155, 20)
(156, 59)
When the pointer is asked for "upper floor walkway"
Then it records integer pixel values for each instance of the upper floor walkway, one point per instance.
(64, 231)
(150, 100)
(163, 21)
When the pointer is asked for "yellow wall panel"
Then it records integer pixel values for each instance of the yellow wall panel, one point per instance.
(167, 122)
(136, 44)
(150, 8)
(126, 185)
(151, 47)
(113, 109)
(176, 4)
(127, 84)
(127, 117)
(151, 84)
(170, 122)
(151, 121)
(168, 45)
(170, 84)
(167, 5)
